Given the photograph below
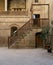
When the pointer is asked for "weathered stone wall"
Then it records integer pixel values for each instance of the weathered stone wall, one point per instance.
(3, 41)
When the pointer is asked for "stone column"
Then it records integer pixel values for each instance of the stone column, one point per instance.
(5, 5)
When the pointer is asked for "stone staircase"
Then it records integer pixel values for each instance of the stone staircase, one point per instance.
(25, 37)
(28, 41)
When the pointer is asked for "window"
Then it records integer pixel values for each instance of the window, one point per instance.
(36, 1)
(16, 4)
(13, 30)
(35, 16)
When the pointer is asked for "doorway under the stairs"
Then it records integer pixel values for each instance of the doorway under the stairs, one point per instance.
(38, 40)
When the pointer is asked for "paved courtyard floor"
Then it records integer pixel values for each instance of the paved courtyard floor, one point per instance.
(25, 57)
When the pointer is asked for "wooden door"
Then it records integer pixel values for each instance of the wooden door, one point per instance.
(38, 41)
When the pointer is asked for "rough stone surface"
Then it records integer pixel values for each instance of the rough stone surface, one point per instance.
(25, 57)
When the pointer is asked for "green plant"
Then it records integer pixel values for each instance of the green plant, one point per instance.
(45, 32)
(45, 35)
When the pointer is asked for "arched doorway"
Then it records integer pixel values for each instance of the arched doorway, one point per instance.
(13, 30)
(38, 40)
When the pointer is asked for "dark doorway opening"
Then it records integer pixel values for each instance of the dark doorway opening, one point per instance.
(38, 40)
(36, 20)
(13, 30)
(37, 16)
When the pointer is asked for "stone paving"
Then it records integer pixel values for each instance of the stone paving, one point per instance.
(25, 57)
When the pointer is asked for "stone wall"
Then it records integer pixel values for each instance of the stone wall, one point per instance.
(3, 41)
